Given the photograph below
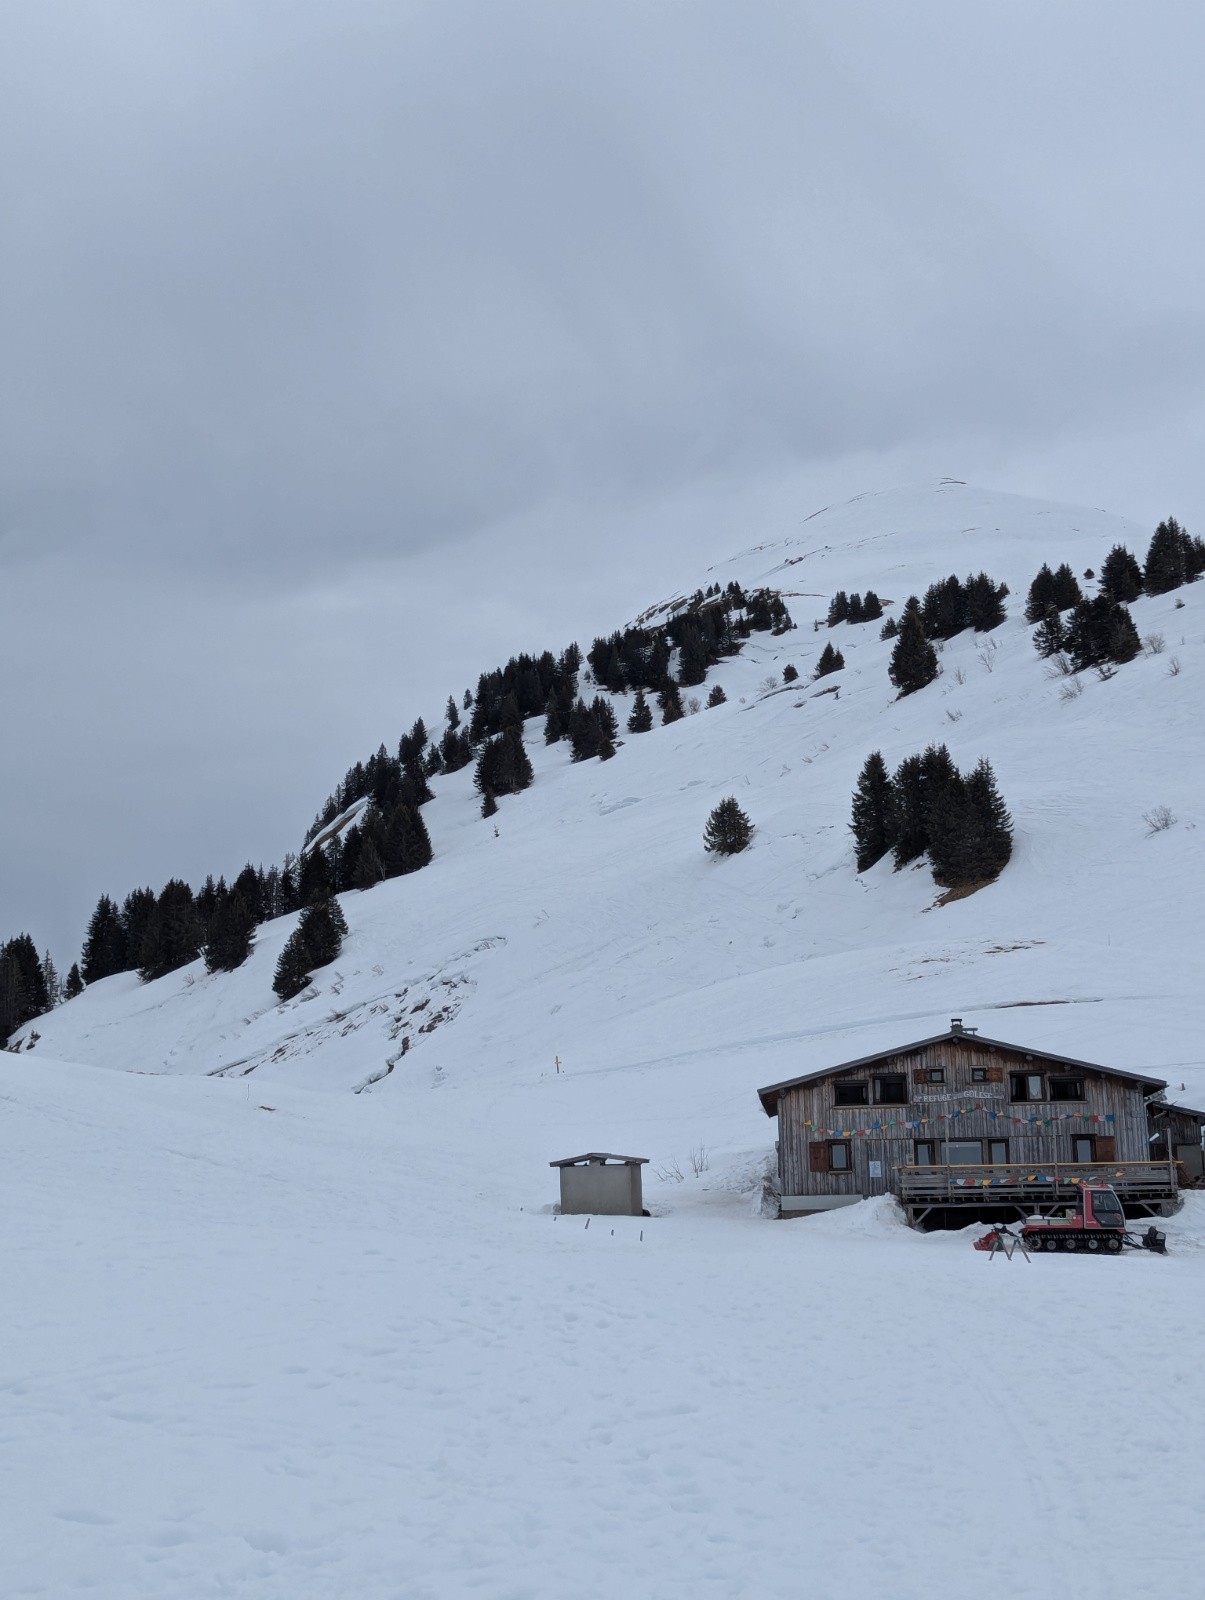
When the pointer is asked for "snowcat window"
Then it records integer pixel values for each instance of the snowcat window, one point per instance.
(1107, 1208)
(1066, 1088)
(891, 1091)
(850, 1094)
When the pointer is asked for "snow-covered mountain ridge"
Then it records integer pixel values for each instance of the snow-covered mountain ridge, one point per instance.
(272, 1339)
(591, 926)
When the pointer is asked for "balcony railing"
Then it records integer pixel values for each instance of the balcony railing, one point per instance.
(1133, 1180)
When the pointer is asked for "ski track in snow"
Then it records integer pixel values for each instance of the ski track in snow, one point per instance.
(266, 1337)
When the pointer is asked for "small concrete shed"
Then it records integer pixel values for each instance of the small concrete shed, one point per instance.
(601, 1184)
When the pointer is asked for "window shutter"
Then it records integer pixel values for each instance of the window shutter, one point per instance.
(818, 1156)
(1106, 1147)
(995, 1075)
(920, 1074)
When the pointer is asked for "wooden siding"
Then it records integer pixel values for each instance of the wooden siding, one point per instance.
(806, 1111)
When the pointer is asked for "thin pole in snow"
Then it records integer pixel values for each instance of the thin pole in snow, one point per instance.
(588, 1221)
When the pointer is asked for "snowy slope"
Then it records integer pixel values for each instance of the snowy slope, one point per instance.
(357, 1353)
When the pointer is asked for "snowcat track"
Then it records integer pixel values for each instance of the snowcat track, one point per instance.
(1075, 1239)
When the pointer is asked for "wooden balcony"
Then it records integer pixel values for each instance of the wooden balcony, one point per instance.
(1143, 1187)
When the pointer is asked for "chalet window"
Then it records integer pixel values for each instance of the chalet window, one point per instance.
(1085, 1147)
(997, 1151)
(830, 1155)
(850, 1094)
(963, 1152)
(935, 1075)
(1066, 1088)
(1028, 1086)
(1082, 1148)
(891, 1091)
(926, 1153)
(979, 1075)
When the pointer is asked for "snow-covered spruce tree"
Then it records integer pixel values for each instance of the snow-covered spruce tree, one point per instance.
(641, 718)
(838, 608)
(855, 613)
(728, 829)
(889, 629)
(717, 697)
(830, 661)
(944, 609)
(871, 822)
(872, 606)
(75, 982)
(914, 660)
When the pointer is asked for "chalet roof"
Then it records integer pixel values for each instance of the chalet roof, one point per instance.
(601, 1156)
(769, 1095)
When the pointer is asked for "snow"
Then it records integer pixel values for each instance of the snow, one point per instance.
(268, 1336)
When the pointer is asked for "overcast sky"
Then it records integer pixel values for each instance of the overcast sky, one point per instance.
(348, 348)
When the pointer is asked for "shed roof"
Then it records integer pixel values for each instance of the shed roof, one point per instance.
(1184, 1111)
(600, 1155)
(769, 1095)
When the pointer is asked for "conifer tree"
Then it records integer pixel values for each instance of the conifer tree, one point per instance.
(1066, 591)
(136, 911)
(790, 673)
(453, 712)
(717, 697)
(553, 730)
(872, 816)
(1041, 594)
(315, 880)
(830, 661)
(944, 609)
(322, 927)
(984, 602)
(838, 608)
(369, 870)
(914, 660)
(641, 718)
(51, 981)
(104, 943)
(75, 982)
(728, 829)
(1100, 631)
(1165, 568)
(489, 803)
(970, 831)
(1050, 636)
(230, 934)
(293, 968)
(1121, 576)
(670, 702)
(174, 932)
(872, 606)
(889, 629)
(855, 612)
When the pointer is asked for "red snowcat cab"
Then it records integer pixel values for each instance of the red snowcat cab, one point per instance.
(1097, 1224)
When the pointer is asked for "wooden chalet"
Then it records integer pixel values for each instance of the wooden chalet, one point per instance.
(960, 1127)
